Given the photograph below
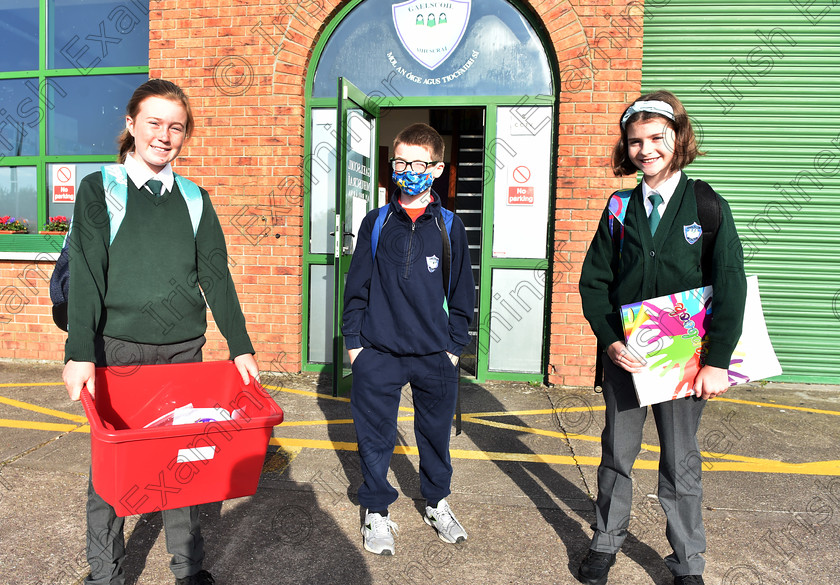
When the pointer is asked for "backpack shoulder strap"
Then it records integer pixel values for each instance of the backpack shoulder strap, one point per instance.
(619, 202)
(445, 235)
(192, 195)
(448, 216)
(115, 183)
(377, 229)
(708, 208)
(709, 214)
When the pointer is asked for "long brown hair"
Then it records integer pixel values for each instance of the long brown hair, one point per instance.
(685, 144)
(153, 88)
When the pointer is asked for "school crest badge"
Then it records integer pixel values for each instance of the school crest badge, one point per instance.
(431, 31)
(432, 263)
(692, 232)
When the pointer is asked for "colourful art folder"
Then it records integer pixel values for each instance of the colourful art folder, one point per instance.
(666, 334)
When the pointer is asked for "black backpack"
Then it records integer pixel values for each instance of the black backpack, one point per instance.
(60, 286)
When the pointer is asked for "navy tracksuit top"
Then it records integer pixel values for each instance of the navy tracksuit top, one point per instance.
(395, 303)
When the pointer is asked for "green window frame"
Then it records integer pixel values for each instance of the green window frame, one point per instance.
(84, 50)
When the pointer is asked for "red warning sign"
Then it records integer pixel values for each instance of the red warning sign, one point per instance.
(64, 183)
(64, 194)
(521, 174)
(520, 195)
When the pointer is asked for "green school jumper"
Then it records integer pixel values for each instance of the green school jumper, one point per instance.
(144, 287)
(650, 267)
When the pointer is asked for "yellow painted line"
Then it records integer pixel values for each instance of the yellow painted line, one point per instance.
(768, 466)
(774, 405)
(42, 426)
(336, 421)
(762, 466)
(307, 393)
(287, 443)
(307, 423)
(720, 457)
(319, 395)
(534, 412)
(280, 461)
(41, 409)
(30, 384)
(742, 464)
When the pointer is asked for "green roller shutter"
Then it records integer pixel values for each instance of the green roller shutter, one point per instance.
(761, 81)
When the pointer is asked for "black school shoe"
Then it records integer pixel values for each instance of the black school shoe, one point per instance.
(201, 578)
(594, 568)
(689, 580)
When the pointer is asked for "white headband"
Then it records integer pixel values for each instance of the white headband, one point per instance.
(653, 106)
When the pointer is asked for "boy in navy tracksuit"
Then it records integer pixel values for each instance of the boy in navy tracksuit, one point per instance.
(400, 327)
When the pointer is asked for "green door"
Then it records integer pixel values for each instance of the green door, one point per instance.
(767, 112)
(355, 195)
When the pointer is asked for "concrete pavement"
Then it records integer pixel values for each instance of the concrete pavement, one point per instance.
(525, 470)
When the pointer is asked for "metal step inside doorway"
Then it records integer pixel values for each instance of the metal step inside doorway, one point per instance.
(465, 128)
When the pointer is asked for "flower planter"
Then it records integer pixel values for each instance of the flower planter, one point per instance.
(11, 232)
(51, 233)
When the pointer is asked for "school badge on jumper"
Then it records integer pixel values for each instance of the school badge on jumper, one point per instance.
(692, 232)
(432, 263)
(431, 31)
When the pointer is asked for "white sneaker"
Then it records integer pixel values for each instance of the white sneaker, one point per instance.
(445, 524)
(377, 533)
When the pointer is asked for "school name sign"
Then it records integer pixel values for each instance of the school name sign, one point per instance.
(430, 32)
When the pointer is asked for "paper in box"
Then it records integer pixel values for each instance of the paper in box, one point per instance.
(139, 470)
(666, 335)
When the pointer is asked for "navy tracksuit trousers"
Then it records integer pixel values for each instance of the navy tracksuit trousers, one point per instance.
(378, 378)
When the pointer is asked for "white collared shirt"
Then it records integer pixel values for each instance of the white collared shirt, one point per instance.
(140, 174)
(666, 189)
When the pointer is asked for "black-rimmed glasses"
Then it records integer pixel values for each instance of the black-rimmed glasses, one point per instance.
(418, 166)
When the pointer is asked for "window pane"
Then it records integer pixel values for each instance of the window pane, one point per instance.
(321, 168)
(19, 195)
(321, 295)
(61, 203)
(522, 154)
(517, 312)
(19, 126)
(90, 114)
(98, 33)
(18, 35)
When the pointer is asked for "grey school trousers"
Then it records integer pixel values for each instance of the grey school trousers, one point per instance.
(680, 489)
(105, 539)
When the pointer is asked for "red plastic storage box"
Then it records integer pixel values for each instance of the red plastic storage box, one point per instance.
(139, 470)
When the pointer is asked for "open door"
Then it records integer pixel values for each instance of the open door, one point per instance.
(355, 195)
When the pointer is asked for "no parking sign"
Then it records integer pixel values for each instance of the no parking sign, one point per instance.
(64, 183)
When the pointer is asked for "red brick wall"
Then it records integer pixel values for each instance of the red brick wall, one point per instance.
(26, 327)
(243, 65)
(599, 51)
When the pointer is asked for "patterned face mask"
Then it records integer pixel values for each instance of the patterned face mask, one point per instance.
(412, 183)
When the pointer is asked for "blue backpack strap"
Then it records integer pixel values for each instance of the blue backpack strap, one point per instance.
(115, 182)
(377, 229)
(448, 216)
(192, 195)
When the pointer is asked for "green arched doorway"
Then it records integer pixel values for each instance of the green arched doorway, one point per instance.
(481, 74)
